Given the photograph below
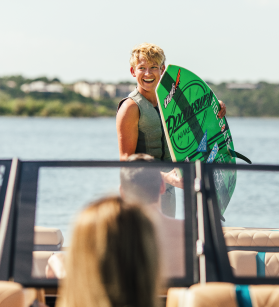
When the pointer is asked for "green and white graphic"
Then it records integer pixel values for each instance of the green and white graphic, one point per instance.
(189, 109)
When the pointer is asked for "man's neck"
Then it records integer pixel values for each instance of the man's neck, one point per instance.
(150, 96)
(156, 206)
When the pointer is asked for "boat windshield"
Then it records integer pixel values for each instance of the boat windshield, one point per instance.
(250, 223)
(62, 192)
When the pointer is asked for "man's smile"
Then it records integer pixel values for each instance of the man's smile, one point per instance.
(148, 80)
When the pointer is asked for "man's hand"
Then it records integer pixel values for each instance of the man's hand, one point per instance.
(172, 179)
(222, 111)
(55, 266)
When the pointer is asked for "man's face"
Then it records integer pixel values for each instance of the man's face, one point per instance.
(148, 74)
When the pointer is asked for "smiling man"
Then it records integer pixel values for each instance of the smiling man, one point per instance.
(138, 122)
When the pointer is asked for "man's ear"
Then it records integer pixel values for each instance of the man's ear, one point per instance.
(132, 71)
(162, 187)
(163, 69)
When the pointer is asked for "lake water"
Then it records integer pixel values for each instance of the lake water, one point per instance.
(95, 139)
(62, 192)
(58, 138)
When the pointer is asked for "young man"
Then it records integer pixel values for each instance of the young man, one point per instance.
(138, 123)
(144, 186)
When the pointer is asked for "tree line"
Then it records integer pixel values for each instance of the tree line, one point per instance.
(263, 101)
(15, 102)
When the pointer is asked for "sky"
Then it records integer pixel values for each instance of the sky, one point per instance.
(219, 40)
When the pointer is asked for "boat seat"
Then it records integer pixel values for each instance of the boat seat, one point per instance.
(56, 266)
(254, 264)
(47, 239)
(40, 261)
(239, 236)
(13, 295)
(243, 263)
(224, 294)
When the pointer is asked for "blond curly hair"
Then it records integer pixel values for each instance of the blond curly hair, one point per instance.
(150, 52)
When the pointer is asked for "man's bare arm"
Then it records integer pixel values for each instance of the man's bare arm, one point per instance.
(127, 128)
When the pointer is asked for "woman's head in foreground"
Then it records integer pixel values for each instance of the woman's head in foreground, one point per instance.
(113, 258)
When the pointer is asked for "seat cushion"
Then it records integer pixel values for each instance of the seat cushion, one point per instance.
(243, 263)
(177, 297)
(271, 264)
(39, 264)
(224, 294)
(253, 264)
(264, 295)
(213, 294)
(251, 237)
(47, 236)
(11, 294)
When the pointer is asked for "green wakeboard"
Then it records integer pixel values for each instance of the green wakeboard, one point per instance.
(189, 108)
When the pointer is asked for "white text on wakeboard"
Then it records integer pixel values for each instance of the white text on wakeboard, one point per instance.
(175, 122)
(173, 90)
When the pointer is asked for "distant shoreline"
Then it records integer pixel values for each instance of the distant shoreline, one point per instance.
(51, 98)
(114, 116)
(53, 108)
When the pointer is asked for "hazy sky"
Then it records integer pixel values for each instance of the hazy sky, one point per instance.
(219, 40)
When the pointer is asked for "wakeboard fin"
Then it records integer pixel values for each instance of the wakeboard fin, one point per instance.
(238, 155)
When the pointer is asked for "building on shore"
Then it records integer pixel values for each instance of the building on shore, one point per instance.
(40, 86)
(98, 90)
(241, 86)
(94, 90)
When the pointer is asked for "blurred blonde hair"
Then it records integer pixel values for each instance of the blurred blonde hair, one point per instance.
(150, 52)
(113, 258)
